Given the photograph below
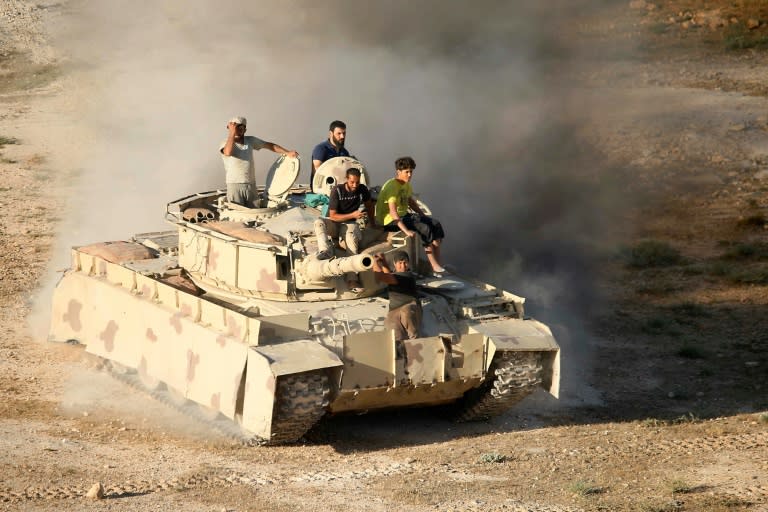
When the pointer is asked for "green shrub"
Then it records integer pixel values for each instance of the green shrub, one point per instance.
(757, 220)
(661, 325)
(680, 486)
(749, 276)
(691, 310)
(690, 352)
(685, 418)
(744, 41)
(652, 253)
(7, 140)
(739, 272)
(584, 488)
(663, 507)
(746, 251)
(492, 458)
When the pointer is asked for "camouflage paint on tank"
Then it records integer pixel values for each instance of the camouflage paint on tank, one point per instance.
(192, 361)
(168, 345)
(108, 335)
(267, 282)
(175, 321)
(425, 360)
(72, 316)
(236, 326)
(215, 402)
(212, 258)
(259, 396)
(413, 353)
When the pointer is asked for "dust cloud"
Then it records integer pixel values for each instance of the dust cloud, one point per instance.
(478, 93)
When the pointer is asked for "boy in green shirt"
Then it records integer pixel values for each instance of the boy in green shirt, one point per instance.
(392, 212)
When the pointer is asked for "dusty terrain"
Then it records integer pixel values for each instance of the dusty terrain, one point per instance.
(672, 412)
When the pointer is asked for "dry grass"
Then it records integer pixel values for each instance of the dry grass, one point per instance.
(756, 220)
(652, 253)
(4, 141)
(584, 488)
(492, 458)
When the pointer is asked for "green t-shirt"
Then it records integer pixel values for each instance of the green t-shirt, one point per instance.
(396, 192)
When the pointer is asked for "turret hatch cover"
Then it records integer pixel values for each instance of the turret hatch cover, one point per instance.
(332, 172)
(282, 175)
(441, 283)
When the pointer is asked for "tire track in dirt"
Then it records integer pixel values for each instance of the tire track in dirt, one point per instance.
(227, 477)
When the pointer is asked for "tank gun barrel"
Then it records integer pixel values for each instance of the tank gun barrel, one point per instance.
(322, 269)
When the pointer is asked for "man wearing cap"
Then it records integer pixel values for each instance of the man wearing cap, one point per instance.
(332, 147)
(237, 154)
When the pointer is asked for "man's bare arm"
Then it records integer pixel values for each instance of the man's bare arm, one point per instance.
(343, 217)
(230, 144)
(381, 270)
(393, 213)
(277, 148)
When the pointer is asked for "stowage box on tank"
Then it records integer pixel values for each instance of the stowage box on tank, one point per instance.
(231, 310)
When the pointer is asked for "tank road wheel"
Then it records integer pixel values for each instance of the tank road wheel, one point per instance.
(301, 400)
(511, 377)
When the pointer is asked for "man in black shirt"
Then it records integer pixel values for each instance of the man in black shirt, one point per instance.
(405, 312)
(350, 204)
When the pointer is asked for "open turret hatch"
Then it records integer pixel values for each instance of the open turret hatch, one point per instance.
(334, 171)
(280, 178)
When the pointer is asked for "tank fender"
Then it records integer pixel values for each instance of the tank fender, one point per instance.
(514, 334)
(296, 357)
(266, 363)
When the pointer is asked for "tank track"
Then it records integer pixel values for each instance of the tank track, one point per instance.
(301, 400)
(512, 377)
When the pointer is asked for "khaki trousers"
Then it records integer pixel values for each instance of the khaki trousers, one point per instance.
(405, 321)
(349, 231)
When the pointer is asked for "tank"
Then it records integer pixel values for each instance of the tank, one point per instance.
(230, 312)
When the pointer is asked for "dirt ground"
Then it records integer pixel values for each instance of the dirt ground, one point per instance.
(679, 416)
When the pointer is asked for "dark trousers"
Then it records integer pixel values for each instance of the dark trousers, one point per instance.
(429, 229)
